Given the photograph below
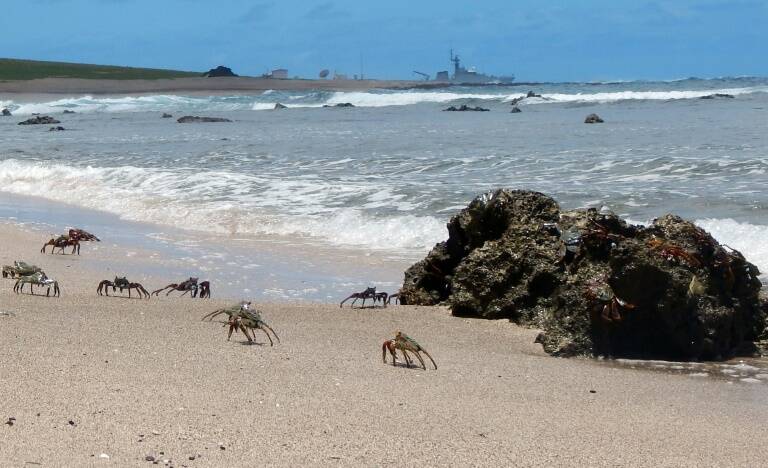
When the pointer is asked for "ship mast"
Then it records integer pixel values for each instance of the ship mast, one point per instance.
(456, 63)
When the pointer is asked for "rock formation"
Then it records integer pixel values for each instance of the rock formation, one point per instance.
(279, 106)
(6, 113)
(593, 118)
(515, 110)
(192, 119)
(592, 283)
(40, 120)
(218, 72)
(167, 115)
(56, 129)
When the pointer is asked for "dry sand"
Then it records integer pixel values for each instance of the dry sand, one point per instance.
(208, 86)
(147, 377)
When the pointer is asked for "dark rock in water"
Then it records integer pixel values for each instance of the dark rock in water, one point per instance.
(191, 119)
(219, 71)
(532, 94)
(718, 95)
(594, 284)
(6, 113)
(516, 101)
(465, 108)
(341, 104)
(515, 110)
(279, 106)
(593, 118)
(40, 120)
(67, 111)
(167, 116)
(56, 129)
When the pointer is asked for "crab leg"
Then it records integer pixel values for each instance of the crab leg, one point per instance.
(430, 357)
(270, 329)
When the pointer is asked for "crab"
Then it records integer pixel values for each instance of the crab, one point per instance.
(190, 285)
(37, 279)
(369, 293)
(243, 318)
(599, 291)
(672, 252)
(20, 268)
(404, 343)
(396, 297)
(61, 242)
(81, 235)
(121, 283)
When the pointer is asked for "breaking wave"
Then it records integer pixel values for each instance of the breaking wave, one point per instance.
(375, 98)
(230, 203)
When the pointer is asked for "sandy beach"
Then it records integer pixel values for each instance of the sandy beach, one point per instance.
(110, 381)
(205, 86)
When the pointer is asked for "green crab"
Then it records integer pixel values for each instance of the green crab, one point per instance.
(37, 279)
(20, 268)
(243, 318)
(404, 343)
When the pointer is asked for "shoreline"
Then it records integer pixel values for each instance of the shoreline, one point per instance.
(273, 268)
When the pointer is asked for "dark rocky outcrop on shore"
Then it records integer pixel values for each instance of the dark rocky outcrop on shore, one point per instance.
(718, 96)
(593, 118)
(594, 284)
(532, 94)
(466, 108)
(341, 104)
(194, 119)
(515, 110)
(40, 120)
(6, 113)
(279, 106)
(68, 111)
(167, 115)
(56, 129)
(218, 72)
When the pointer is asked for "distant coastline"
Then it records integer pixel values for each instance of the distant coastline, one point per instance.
(243, 85)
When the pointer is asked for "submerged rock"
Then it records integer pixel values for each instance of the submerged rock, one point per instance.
(167, 115)
(592, 283)
(593, 118)
(718, 95)
(68, 111)
(56, 129)
(341, 104)
(466, 108)
(532, 94)
(191, 119)
(515, 110)
(6, 113)
(40, 120)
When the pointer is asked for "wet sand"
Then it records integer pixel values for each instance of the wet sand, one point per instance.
(142, 378)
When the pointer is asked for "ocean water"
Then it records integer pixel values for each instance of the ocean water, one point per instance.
(379, 181)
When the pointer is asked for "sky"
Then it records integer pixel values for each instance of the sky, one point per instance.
(536, 40)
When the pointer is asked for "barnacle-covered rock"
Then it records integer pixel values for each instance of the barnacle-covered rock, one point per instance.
(592, 283)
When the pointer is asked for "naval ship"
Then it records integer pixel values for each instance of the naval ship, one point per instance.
(462, 75)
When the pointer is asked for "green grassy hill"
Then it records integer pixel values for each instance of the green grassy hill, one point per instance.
(13, 69)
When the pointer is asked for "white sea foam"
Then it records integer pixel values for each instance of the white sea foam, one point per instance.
(749, 239)
(175, 103)
(229, 203)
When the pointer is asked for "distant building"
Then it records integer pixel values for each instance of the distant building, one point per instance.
(279, 74)
(442, 76)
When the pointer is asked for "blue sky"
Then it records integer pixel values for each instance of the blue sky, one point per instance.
(558, 40)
